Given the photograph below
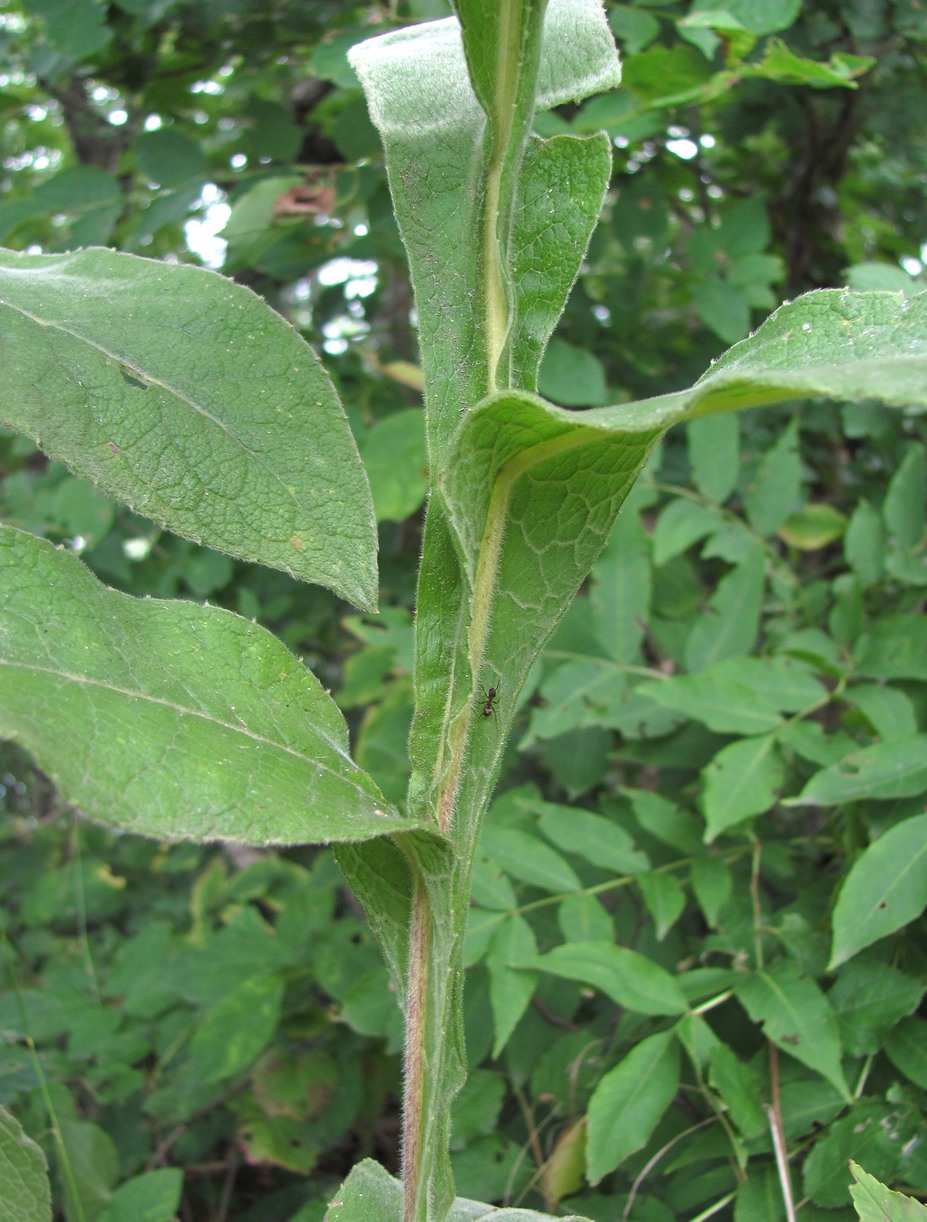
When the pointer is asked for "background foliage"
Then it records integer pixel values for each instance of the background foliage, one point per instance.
(214, 1029)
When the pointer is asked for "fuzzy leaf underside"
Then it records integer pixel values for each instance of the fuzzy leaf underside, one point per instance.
(420, 98)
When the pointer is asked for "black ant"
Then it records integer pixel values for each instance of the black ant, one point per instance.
(489, 698)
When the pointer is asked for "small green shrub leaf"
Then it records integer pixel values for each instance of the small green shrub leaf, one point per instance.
(889, 711)
(170, 158)
(712, 883)
(629, 1101)
(714, 455)
(170, 719)
(681, 524)
(152, 1197)
(527, 858)
(885, 889)
(741, 695)
(869, 998)
(664, 899)
(94, 1162)
(874, 1131)
(876, 1203)
(510, 990)
(797, 1017)
(394, 455)
(195, 411)
(740, 1085)
(582, 918)
(593, 837)
(906, 1048)
(237, 1029)
(742, 780)
(886, 770)
(895, 648)
(628, 978)
(906, 499)
(728, 627)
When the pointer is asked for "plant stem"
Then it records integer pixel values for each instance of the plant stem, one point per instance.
(414, 1186)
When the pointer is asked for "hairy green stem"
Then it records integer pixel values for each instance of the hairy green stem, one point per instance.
(415, 1203)
(433, 999)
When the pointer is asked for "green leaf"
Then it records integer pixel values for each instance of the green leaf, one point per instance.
(885, 889)
(869, 998)
(876, 1203)
(905, 500)
(886, 276)
(864, 544)
(582, 918)
(169, 158)
(25, 1193)
(170, 719)
(551, 487)
(394, 456)
(888, 711)
(77, 30)
(776, 489)
(763, 17)
(759, 1198)
(742, 780)
(84, 201)
(665, 820)
(94, 1163)
(550, 241)
(510, 991)
(628, 978)
(781, 64)
(594, 838)
(712, 883)
(477, 1107)
(741, 695)
(714, 454)
(873, 1130)
(621, 591)
(371, 1194)
(661, 74)
(722, 307)
(628, 1102)
(664, 899)
(741, 1087)
(527, 858)
(152, 1197)
(729, 624)
(797, 1017)
(572, 376)
(632, 26)
(830, 342)
(476, 1211)
(886, 770)
(237, 1029)
(682, 523)
(205, 411)
(249, 230)
(895, 648)
(420, 98)
(906, 1048)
